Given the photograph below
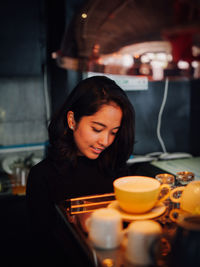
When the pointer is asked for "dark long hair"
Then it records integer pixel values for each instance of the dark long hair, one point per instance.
(85, 100)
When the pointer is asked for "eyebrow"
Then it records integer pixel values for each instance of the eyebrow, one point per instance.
(103, 125)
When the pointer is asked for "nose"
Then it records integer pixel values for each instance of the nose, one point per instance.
(104, 139)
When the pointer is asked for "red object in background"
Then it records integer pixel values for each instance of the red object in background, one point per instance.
(181, 39)
(181, 46)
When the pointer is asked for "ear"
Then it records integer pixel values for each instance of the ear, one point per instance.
(70, 120)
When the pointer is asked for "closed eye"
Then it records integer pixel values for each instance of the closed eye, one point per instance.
(96, 130)
(114, 133)
(100, 130)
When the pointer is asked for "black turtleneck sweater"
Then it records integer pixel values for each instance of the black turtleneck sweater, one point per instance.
(49, 183)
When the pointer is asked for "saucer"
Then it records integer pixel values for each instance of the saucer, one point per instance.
(155, 212)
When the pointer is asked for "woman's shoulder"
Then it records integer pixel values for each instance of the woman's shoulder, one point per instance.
(43, 165)
(47, 168)
(43, 170)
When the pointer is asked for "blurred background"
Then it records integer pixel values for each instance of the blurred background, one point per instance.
(46, 47)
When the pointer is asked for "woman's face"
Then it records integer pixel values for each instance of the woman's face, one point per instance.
(93, 134)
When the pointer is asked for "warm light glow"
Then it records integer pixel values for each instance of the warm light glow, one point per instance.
(145, 59)
(158, 69)
(151, 56)
(183, 65)
(161, 56)
(158, 64)
(169, 58)
(195, 51)
(136, 55)
(139, 49)
(117, 59)
(100, 61)
(84, 15)
(127, 60)
(54, 55)
(195, 64)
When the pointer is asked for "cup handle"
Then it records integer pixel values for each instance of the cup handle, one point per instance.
(173, 212)
(177, 189)
(166, 186)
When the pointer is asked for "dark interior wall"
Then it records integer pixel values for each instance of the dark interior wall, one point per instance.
(22, 46)
(195, 117)
(175, 120)
(22, 56)
(55, 27)
(61, 81)
(30, 31)
(179, 128)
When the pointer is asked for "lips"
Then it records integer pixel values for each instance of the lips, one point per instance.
(97, 150)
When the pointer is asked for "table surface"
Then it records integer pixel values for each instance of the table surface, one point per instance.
(177, 165)
(115, 257)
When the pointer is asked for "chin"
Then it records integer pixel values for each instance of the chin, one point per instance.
(93, 156)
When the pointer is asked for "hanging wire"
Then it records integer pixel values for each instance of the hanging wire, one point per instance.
(160, 116)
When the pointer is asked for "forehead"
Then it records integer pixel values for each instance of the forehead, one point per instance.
(107, 114)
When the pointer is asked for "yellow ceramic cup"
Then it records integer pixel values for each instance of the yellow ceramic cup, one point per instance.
(189, 197)
(139, 194)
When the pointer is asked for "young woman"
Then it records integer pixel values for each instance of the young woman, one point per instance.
(90, 139)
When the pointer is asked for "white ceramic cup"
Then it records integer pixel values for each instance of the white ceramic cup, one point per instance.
(189, 197)
(141, 236)
(105, 228)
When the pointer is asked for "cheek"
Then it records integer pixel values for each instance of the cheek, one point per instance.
(82, 136)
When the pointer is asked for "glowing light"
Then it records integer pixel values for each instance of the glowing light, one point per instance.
(84, 15)
(118, 60)
(157, 69)
(100, 60)
(161, 56)
(183, 65)
(169, 57)
(54, 55)
(151, 56)
(136, 55)
(195, 51)
(195, 64)
(145, 59)
(127, 60)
